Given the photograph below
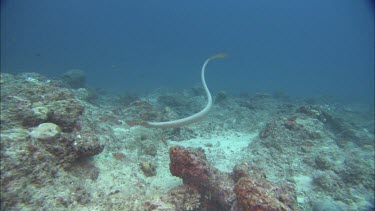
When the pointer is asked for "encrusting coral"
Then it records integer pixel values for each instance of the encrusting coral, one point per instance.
(245, 189)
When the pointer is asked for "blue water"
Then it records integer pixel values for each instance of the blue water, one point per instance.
(302, 48)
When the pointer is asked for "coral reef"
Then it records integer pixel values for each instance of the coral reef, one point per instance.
(313, 144)
(41, 136)
(255, 192)
(52, 153)
(28, 100)
(244, 189)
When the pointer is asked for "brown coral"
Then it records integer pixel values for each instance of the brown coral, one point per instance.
(251, 189)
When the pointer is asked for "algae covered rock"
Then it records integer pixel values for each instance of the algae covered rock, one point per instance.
(65, 113)
(35, 116)
(46, 131)
(148, 169)
(40, 113)
(42, 136)
(245, 189)
(30, 99)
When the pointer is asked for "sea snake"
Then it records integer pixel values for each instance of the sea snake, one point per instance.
(195, 117)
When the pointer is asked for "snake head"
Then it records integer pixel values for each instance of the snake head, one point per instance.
(219, 56)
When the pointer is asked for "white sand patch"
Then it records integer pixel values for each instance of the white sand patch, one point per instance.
(224, 151)
(126, 178)
(304, 185)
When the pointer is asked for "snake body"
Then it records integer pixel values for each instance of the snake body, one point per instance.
(195, 117)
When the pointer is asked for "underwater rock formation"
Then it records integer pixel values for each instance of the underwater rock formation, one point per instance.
(192, 166)
(75, 78)
(28, 100)
(255, 192)
(41, 136)
(245, 189)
